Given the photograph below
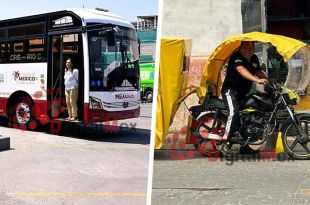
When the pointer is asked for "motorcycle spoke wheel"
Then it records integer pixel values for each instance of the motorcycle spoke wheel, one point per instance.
(208, 124)
(292, 145)
(305, 147)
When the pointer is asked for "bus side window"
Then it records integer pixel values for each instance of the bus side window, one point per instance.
(16, 50)
(35, 50)
(26, 51)
(2, 53)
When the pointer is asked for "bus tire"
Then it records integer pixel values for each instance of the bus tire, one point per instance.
(21, 114)
(149, 95)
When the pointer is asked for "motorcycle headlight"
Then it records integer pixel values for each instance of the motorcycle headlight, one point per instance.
(290, 96)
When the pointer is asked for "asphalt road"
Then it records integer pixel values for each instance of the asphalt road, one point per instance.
(92, 167)
(199, 180)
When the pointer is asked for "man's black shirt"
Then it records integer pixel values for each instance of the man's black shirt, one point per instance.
(236, 81)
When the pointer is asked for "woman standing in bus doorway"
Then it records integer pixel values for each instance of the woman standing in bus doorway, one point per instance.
(71, 86)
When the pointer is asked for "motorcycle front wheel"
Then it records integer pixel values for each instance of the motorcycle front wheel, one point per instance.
(294, 146)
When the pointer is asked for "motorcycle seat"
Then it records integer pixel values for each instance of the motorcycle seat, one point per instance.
(216, 103)
(196, 108)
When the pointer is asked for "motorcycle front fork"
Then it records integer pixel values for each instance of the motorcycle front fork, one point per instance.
(302, 138)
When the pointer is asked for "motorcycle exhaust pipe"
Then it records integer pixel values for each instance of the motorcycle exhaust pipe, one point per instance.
(205, 135)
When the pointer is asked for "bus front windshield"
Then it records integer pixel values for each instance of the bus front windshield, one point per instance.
(114, 59)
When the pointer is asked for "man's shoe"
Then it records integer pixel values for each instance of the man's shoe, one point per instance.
(236, 137)
(248, 150)
(226, 150)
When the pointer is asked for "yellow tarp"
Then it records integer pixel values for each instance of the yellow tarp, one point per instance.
(172, 79)
(286, 47)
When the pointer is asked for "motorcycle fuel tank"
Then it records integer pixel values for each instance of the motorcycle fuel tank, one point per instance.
(259, 101)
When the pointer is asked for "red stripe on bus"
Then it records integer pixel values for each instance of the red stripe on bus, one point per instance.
(86, 114)
(41, 108)
(3, 102)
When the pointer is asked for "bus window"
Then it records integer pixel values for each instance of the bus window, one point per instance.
(2, 34)
(70, 43)
(26, 30)
(27, 51)
(2, 53)
(36, 45)
(71, 48)
(18, 47)
(16, 52)
(113, 66)
(35, 51)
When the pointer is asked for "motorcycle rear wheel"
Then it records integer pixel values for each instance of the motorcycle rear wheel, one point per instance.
(201, 127)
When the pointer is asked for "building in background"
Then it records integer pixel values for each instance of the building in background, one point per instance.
(289, 17)
(209, 22)
(284, 17)
(206, 22)
(147, 32)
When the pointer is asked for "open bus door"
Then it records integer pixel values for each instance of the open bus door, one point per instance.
(62, 47)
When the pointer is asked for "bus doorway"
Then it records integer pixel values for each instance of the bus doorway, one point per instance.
(64, 46)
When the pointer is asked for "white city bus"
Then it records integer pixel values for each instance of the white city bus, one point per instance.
(34, 49)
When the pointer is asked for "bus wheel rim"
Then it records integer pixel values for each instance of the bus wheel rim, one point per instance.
(23, 113)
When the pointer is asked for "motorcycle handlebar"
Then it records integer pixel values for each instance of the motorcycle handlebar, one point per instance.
(272, 86)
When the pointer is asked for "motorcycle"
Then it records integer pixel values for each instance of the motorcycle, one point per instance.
(261, 115)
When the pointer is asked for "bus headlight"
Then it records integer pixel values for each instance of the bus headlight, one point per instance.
(95, 103)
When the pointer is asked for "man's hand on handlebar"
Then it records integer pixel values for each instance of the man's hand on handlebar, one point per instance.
(262, 81)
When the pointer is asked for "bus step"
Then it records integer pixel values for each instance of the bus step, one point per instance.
(64, 120)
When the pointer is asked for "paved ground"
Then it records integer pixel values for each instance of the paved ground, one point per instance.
(183, 176)
(201, 180)
(90, 168)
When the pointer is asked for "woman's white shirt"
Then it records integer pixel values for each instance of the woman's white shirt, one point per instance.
(71, 79)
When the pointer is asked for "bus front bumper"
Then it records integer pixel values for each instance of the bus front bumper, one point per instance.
(100, 115)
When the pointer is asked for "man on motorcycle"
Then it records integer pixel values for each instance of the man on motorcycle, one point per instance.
(243, 69)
